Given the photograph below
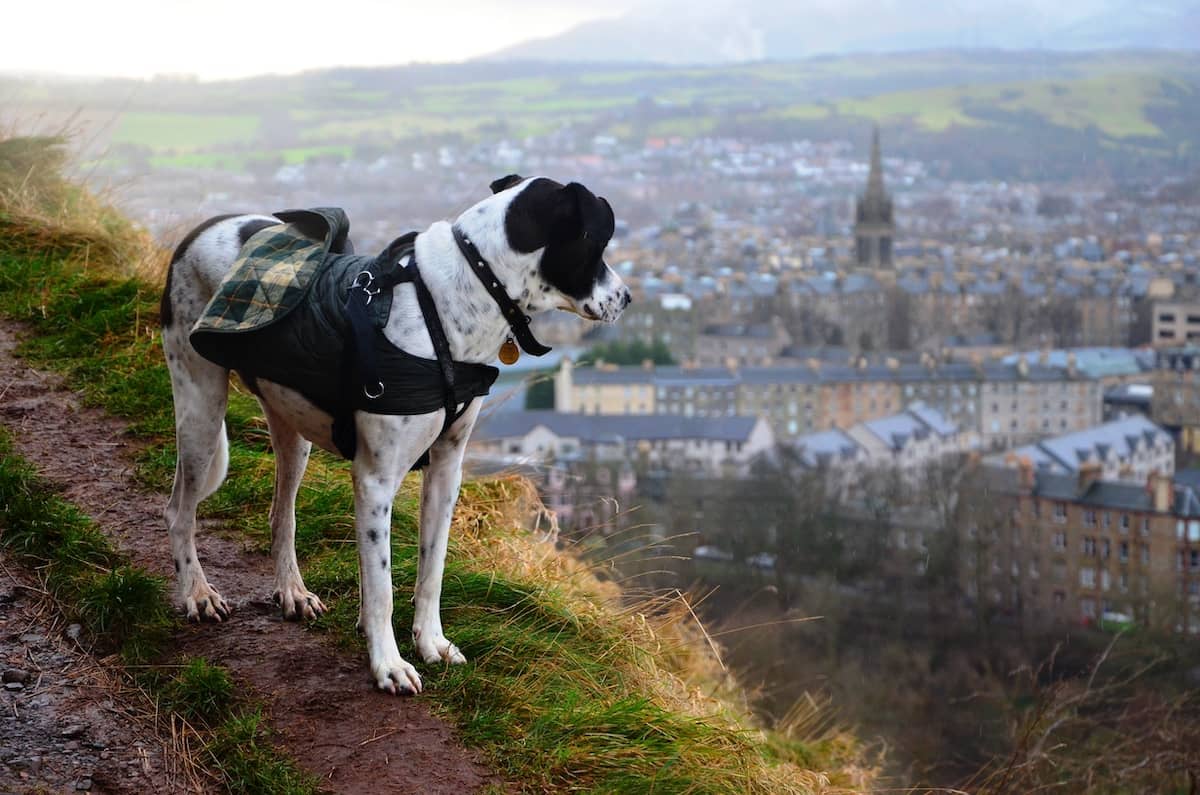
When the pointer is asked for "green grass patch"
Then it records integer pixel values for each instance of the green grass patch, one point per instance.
(184, 132)
(123, 608)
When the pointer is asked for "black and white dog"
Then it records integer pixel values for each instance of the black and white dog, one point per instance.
(545, 241)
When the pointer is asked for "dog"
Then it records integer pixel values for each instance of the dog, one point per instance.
(544, 241)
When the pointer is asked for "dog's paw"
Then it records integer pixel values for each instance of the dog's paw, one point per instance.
(205, 604)
(397, 677)
(436, 648)
(298, 602)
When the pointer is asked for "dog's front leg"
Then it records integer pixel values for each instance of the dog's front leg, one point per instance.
(439, 493)
(383, 458)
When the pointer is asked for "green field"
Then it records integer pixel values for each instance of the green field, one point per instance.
(184, 132)
(1121, 107)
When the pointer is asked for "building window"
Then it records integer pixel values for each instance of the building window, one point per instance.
(1087, 578)
(1089, 518)
(1060, 512)
(1107, 518)
(1060, 540)
(1087, 607)
(1145, 525)
(1123, 552)
(1124, 523)
(1089, 546)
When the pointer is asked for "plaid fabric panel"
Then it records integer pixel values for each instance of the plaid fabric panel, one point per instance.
(270, 276)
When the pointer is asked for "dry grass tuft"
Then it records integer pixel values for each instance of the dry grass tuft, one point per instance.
(659, 643)
(43, 212)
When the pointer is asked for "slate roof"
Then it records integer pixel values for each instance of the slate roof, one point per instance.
(758, 331)
(1102, 495)
(916, 422)
(828, 373)
(818, 449)
(615, 427)
(1095, 362)
(1064, 454)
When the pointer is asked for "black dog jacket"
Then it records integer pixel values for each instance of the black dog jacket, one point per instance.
(299, 310)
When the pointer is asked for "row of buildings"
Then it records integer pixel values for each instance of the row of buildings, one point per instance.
(1069, 528)
(1004, 404)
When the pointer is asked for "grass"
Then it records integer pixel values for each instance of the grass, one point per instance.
(124, 609)
(184, 132)
(567, 688)
(1115, 105)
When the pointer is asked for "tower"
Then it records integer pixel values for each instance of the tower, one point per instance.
(873, 223)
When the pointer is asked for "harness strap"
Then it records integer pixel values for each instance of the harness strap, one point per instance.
(360, 369)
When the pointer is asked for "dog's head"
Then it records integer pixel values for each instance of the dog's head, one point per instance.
(559, 232)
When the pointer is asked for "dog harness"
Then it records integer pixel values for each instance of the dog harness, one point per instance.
(299, 309)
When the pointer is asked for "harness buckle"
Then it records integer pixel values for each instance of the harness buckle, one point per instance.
(377, 395)
(365, 286)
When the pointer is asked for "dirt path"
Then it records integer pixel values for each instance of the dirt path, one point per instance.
(67, 722)
(319, 701)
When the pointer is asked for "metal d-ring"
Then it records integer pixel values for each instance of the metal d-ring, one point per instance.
(377, 395)
(365, 287)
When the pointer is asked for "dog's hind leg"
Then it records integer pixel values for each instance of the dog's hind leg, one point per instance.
(291, 457)
(439, 493)
(200, 391)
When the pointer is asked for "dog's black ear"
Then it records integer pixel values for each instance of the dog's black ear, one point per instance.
(593, 213)
(504, 183)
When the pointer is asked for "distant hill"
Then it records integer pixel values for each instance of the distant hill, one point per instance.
(675, 32)
(977, 113)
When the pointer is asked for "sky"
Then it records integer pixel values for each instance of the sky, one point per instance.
(215, 39)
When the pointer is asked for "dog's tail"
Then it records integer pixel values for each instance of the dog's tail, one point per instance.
(219, 466)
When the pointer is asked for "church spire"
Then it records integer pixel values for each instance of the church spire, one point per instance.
(875, 179)
(874, 225)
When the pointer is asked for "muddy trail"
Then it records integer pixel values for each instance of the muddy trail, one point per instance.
(68, 722)
(319, 701)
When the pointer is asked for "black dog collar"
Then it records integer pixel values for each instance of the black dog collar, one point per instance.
(518, 321)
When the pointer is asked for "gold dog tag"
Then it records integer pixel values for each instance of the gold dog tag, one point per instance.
(509, 352)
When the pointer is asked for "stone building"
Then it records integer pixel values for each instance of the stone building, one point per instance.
(1004, 404)
(1175, 403)
(1076, 549)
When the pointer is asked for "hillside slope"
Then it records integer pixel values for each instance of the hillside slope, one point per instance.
(568, 686)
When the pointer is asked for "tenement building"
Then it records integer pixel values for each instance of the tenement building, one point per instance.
(1073, 548)
(1175, 400)
(1004, 404)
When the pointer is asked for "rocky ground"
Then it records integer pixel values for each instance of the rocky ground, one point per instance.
(67, 722)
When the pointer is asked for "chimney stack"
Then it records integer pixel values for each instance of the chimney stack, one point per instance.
(1162, 492)
(1026, 476)
(1089, 473)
